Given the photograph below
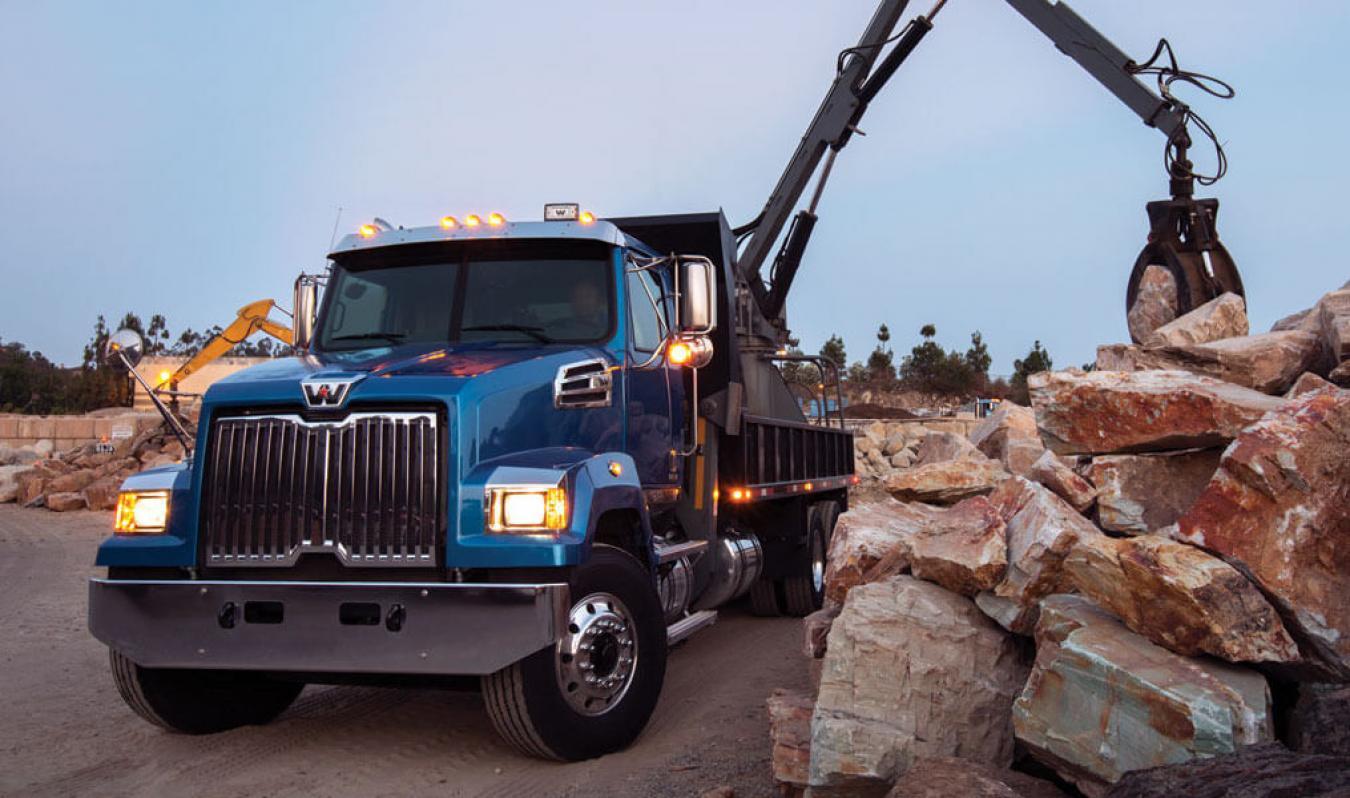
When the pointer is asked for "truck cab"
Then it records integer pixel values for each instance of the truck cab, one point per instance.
(523, 451)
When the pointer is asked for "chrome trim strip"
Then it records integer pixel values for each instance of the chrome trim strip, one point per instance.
(595, 381)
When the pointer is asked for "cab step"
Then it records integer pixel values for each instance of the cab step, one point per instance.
(682, 629)
(670, 552)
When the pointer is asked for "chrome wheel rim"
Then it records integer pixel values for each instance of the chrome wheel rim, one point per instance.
(597, 657)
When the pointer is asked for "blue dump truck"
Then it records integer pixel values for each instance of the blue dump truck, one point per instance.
(538, 453)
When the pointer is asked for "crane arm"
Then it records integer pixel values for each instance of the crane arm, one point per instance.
(251, 318)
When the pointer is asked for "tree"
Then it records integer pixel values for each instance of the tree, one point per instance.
(795, 372)
(1036, 360)
(881, 363)
(978, 360)
(833, 350)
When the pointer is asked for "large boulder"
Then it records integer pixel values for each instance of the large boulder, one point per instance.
(9, 481)
(1009, 435)
(1103, 701)
(1155, 302)
(1269, 362)
(1307, 382)
(912, 671)
(945, 483)
(1140, 493)
(101, 494)
(65, 502)
(1224, 316)
(870, 541)
(1052, 472)
(1279, 510)
(1107, 412)
(962, 549)
(950, 777)
(790, 736)
(1267, 770)
(1333, 322)
(1180, 598)
(1307, 319)
(940, 447)
(1041, 530)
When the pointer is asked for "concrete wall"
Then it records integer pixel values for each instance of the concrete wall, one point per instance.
(152, 368)
(67, 432)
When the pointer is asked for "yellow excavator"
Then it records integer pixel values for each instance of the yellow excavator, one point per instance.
(251, 318)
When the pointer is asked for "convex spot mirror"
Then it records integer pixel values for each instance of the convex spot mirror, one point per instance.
(698, 295)
(122, 344)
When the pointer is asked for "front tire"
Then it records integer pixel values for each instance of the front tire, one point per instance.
(200, 701)
(593, 692)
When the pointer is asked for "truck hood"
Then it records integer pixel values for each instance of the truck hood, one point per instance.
(451, 366)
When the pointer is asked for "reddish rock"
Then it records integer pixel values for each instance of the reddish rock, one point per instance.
(1140, 493)
(1306, 383)
(1102, 701)
(1050, 471)
(32, 486)
(945, 483)
(1224, 316)
(1320, 720)
(1009, 435)
(1269, 362)
(1333, 321)
(101, 494)
(64, 502)
(1340, 375)
(790, 733)
(73, 482)
(816, 631)
(866, 536)
(962, 549)
(949, 777)
(1279, 510)
(1268, 770)
(1155, 302)
(1180, 598)
(1105, 412)
(942, 447)
(1041, 530)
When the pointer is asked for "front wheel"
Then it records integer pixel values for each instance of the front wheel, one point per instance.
(200, 701)
(594, 690)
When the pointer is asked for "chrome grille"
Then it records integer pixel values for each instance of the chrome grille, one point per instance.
(366, 488)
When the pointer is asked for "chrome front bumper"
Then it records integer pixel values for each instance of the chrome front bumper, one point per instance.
(330, 627)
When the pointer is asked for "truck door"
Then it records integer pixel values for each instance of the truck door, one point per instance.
(653, 430)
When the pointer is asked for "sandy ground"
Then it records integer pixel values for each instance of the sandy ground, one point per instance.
(65, 731)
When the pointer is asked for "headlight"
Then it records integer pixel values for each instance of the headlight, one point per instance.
(140, 513)
(527, 508)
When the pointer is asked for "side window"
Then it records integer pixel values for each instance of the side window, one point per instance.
(649, 328)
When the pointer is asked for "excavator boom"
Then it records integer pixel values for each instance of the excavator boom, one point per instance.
(252, 318)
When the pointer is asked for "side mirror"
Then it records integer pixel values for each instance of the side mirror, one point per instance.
(304, 307)
(698, 295)
(124, 348)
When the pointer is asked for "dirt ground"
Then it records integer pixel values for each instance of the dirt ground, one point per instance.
(65, 731)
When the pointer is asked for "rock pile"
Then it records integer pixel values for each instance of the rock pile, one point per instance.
(83, 477)
(1125, 585)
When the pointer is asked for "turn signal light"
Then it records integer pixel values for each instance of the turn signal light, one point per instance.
(679, 353)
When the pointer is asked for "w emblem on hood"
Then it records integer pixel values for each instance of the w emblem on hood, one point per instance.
(327, 391)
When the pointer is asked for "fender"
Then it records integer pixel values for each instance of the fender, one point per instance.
(593, 488)
(177, 545)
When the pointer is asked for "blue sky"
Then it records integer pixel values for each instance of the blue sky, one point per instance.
(187, 158)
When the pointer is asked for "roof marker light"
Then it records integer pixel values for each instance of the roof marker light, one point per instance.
(587, 217)
(449, 222)
(367, 231)
(472, 220)
(496, 219)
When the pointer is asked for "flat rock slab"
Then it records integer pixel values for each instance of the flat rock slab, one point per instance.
(946, 482)
(1279, 510)
(1269, 362)
(1181, 598)
(949, 777)
(870, 541)
(1139, 493)
(1225, 316)
(1052, 472)
(1109, 412)
(1267, 770)
(1103, 701)
(912, 671)
(1009, 435)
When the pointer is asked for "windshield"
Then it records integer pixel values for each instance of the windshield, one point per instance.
(507, 291)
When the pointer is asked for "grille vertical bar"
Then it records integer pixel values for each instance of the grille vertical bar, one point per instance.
(366, 489)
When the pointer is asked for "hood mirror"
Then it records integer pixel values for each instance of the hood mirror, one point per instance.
(124, 349)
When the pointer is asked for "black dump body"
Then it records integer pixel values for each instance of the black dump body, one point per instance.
(767, 449)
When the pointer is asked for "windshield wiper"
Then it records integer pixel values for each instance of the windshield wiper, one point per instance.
(391, 337)
(534, 332)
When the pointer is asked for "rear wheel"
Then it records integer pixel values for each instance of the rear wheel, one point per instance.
(764, 598)
(804, 592)
(200, 701)
(594, 690)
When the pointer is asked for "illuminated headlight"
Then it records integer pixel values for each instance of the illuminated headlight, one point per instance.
(141, 513)
(527, 508)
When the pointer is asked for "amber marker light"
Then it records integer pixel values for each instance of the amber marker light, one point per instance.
(449, 222)
(164, 377)
(366, 231)
(615, 468)
(679, 353)
(586, 217)
(739, 495)
(472, 220)
(496, 219)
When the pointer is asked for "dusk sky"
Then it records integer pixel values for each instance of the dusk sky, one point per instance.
(187, 158)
